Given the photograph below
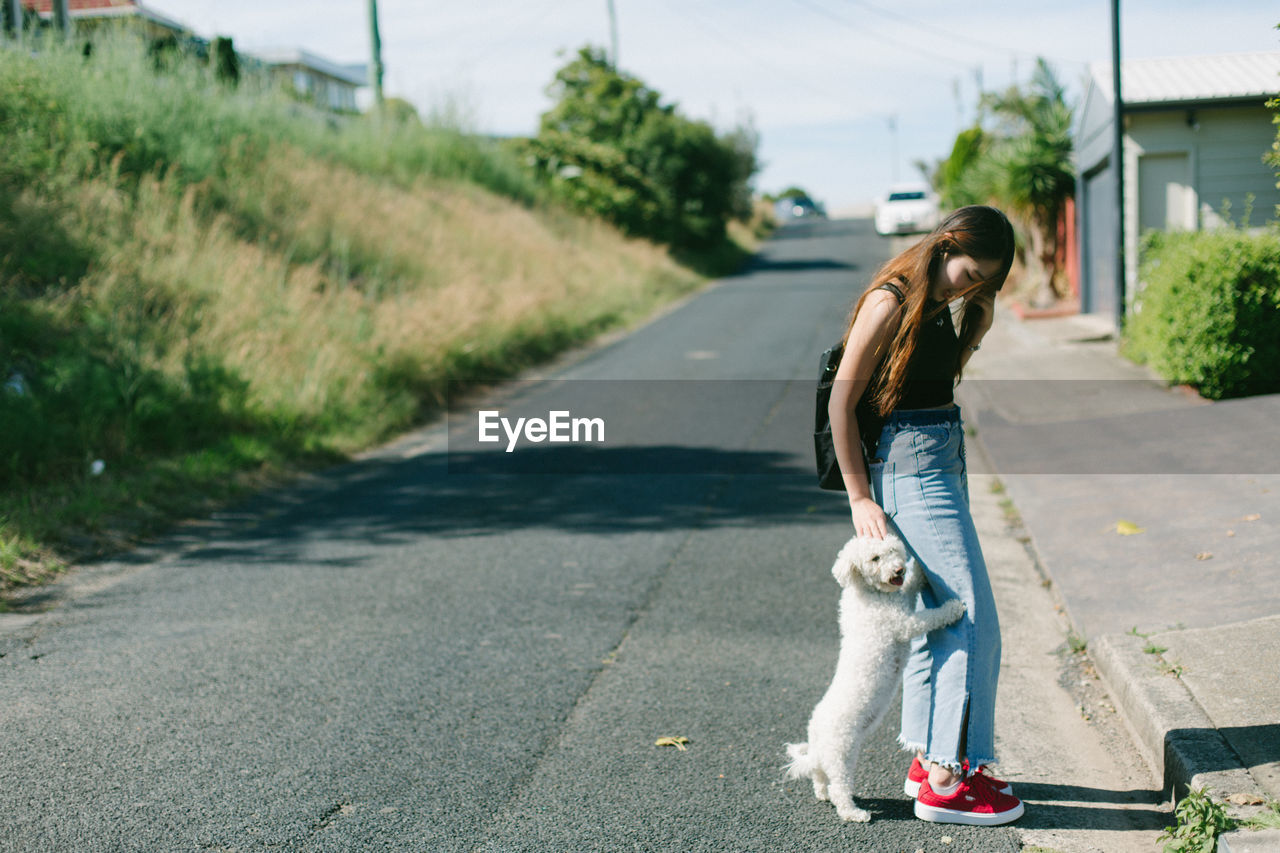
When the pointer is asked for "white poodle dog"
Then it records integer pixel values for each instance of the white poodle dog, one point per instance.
(877, 621)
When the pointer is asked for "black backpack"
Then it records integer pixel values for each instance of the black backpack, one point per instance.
(869, 421)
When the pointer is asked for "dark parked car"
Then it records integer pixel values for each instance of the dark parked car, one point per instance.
(797, 207)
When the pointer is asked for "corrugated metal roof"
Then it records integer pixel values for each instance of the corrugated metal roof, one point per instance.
(1179, 79)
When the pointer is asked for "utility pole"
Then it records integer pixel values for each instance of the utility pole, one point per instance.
(613, 35)
(893, 147)
(955, 96)
(1117, 161)
(61, 18)
(977, 78)
(375, 65)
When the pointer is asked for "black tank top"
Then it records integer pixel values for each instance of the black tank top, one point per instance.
(931, 373)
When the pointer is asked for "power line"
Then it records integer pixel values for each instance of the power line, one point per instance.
(953, 34)
(738, 47)
(863, 28)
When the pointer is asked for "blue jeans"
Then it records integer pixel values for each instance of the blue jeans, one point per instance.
(949, 686)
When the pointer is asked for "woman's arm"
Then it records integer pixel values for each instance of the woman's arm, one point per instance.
(979, 312)
(873, 331)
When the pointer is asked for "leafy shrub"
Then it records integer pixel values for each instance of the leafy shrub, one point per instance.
(1200, 822)
(1209, 312)
(610, 147)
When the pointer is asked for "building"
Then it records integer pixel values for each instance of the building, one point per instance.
(329, 85)
(1195, 132)
(94, 13)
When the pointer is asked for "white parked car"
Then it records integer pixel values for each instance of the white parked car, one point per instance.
(907, 209)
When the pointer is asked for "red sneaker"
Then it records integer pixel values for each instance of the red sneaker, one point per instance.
(973, 804)
(915, 776)
(981, 775)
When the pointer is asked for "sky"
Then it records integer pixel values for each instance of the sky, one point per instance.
(846, 95)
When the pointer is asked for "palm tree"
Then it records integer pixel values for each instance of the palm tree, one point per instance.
(1033, 163)
(1018, 157)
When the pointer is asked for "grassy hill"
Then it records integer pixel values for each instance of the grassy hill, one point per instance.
(203, 289)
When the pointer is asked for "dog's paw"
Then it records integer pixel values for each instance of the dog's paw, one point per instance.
(854, 815)
(954, 609)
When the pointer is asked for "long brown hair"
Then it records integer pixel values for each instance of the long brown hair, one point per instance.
(979, 231)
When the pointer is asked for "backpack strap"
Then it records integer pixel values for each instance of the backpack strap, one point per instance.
(894, 289)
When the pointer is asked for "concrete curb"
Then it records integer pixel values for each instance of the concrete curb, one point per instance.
(1174, 734)
(1264, 841)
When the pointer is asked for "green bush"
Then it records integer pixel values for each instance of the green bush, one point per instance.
(1209, 312)
(609, 147)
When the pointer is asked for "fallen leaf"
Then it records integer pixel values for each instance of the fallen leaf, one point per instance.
(1128, 528)
(1231, 533)
(1245, 799)
(1253, 517)
(677, 742)
(946, 839)
(1204, 555)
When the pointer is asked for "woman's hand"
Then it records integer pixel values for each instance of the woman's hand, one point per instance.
(868, 518)
(982, 308)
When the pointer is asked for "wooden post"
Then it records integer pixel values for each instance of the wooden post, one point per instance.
(375, 66)
(13, 19)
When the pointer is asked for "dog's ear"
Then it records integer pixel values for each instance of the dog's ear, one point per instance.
(843, 568)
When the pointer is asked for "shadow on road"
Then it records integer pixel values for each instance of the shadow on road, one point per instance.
(623, 490)
(764, 264)
(822, 228)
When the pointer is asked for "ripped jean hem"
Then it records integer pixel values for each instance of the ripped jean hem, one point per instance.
(911, 745)
(955, 766)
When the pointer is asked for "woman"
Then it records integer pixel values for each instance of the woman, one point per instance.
(893, 395)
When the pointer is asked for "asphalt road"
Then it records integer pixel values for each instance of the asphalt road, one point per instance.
(446, 647)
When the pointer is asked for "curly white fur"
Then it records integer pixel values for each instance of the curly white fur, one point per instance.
(877, 622)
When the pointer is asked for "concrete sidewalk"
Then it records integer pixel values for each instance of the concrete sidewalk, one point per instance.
(1157, 516)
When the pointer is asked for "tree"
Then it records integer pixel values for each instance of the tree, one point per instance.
(1021, 162)
(226, 64)
(609, 146)
(964, 177)
(1036, 168)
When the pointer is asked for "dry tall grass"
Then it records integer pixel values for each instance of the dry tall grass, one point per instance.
(442, 281)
